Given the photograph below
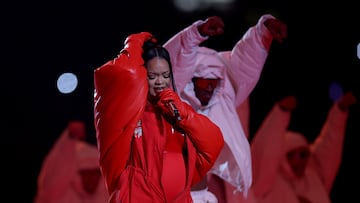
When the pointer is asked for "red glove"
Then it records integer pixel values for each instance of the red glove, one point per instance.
(346, 101)
(277, 28)
(169, 102)
(133, 46)
(288, 103)
(213, 26)
(138, 38)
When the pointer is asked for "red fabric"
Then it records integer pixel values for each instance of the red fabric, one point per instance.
(174, 171)
(131, 153)
(174, 174)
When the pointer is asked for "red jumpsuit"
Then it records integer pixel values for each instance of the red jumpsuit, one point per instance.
(142, 157)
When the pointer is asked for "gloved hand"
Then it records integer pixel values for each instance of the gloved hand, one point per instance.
(137, 39)
(77, 130)
(133, 47)
(277, 28)
(213, 26)
(288, 103)
(346, 101)
(167, 98)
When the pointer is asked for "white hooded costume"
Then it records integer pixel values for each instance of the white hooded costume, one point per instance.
(239, 71)
(274, 181)
(59, 180)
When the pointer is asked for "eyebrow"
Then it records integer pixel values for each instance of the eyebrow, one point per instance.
(158, 73)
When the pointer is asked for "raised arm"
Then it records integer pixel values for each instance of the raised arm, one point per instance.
(268, 144)
(328, 146)
(183, 47)
(121, 88)
(59, 166)
(247, 58)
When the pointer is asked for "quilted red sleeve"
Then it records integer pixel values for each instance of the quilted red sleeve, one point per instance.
(119, 99)
(207, 139)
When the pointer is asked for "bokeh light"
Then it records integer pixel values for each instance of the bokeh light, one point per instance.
(335, 91)
(67, 83)
(196, 5)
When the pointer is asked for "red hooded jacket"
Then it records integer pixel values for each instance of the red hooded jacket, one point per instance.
(131, 134)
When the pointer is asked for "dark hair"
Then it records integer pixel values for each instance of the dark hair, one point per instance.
(151, 50)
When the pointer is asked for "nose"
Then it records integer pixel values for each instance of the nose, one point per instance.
(158, 80)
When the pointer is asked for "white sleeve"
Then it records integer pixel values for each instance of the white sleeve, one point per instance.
(247, 58)
(268, 148)
(182, 48)
(328, 146)
(58, 169)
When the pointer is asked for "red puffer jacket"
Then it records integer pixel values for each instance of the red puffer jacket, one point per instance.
(131, 152)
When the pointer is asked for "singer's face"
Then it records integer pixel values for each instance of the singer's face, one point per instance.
(158, 74)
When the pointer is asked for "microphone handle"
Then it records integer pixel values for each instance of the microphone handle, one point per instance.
(175, 111)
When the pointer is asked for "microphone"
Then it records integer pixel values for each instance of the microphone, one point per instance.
(175, 111)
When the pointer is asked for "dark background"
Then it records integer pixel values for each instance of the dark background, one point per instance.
(41, 40)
